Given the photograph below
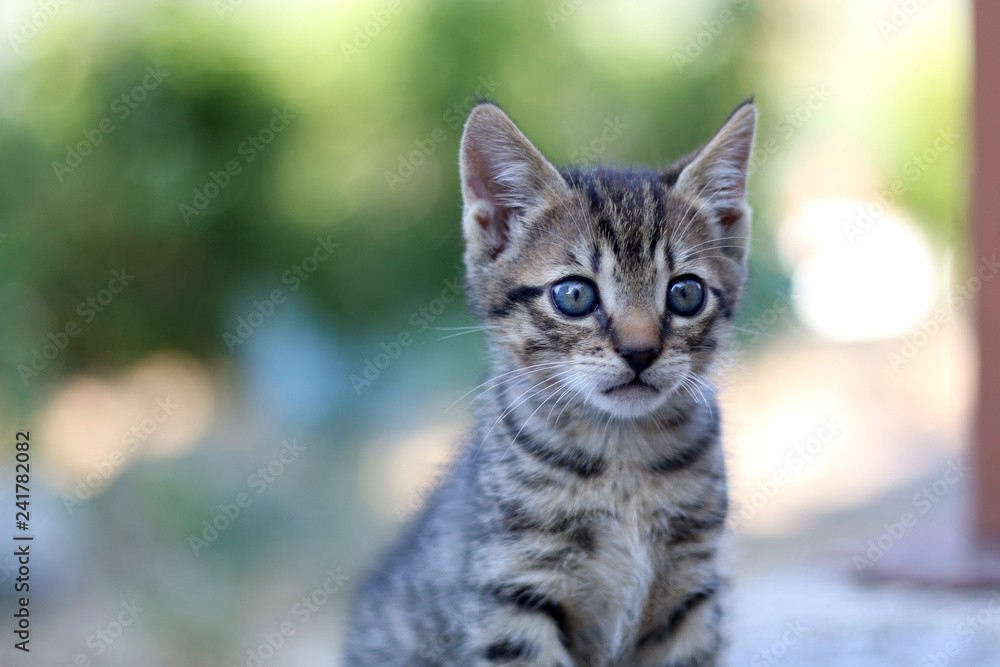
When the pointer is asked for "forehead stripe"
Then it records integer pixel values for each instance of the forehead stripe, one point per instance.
(595, 259)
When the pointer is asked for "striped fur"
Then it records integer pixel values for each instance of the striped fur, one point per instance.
(581, 523)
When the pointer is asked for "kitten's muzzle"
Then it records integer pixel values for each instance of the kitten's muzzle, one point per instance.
(639, 360)
(635, 387)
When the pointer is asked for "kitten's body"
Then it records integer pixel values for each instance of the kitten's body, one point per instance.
(581, 524)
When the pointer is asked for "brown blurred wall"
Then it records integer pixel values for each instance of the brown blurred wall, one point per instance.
(986, 222)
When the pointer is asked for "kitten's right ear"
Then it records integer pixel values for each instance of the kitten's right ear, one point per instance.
(504, 177)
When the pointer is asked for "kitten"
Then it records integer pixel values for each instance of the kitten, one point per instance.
(581, 524)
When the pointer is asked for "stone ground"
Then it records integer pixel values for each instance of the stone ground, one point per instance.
(800, 601)
(819, 617)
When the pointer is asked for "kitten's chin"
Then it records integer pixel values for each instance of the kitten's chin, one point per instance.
(631, 400)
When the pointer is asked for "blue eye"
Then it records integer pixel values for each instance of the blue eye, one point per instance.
(685, 296)
(575, 296)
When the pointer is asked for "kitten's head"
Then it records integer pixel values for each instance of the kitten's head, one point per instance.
(609, 288)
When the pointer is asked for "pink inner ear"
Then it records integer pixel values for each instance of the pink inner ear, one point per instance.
(481, 191)
(730, 217)
(479, 187)
(494, 223)
(496, 228)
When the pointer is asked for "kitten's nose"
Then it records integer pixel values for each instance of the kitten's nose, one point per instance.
(639, 360)
(636, 337)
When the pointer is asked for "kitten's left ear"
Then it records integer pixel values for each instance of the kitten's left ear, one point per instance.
(719, 170)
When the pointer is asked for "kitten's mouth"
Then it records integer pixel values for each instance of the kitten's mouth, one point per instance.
(636, 388)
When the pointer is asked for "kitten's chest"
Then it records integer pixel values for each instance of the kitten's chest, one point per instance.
(628, 556)
(611, 541)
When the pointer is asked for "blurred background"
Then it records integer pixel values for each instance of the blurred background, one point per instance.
(230, 283)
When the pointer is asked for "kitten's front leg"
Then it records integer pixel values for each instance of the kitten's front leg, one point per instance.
(689, 636)
(521, 626)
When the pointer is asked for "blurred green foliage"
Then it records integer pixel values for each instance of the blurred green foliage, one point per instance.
(362, 105)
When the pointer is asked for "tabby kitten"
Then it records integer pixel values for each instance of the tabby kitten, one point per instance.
(581, 524)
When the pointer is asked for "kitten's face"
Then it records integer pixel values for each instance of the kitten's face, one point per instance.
(609, 288)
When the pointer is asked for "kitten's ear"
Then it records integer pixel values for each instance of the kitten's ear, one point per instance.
(718, 172)
(504, 177)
